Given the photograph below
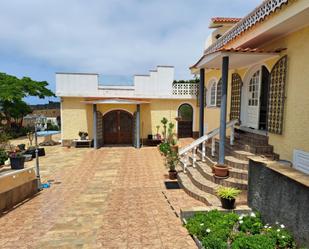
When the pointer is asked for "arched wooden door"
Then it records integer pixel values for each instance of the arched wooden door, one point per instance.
(185, 123)
(118, 127)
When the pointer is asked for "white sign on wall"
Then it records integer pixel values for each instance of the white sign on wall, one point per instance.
(301, 161)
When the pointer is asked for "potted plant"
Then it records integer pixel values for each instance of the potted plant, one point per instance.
(17, 160)
(164, 122)
(172, 160)
(164, 148)
(22, 147)
(174, 146)
(3, 156)
(227, 196)
(83, 135)
(31, 150)
(221, 170)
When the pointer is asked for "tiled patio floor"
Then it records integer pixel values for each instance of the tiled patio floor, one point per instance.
(109, 198)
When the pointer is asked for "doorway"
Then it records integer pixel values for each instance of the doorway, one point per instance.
(118, 127)
(185, 122)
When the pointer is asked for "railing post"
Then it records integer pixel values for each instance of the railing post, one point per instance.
(185, 162)
(213, 146)
(194, 156)
(203, 151)
(232, 135)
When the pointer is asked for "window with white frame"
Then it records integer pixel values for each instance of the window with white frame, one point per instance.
(212, 93)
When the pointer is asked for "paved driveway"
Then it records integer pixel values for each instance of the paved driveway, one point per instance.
(109, 198)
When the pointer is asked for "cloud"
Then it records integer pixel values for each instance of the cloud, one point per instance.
(112, 37)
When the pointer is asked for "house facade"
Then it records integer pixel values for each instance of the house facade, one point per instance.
(125, 114)
(260, 65)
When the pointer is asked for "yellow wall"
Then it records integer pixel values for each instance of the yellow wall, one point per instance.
(296, 110)
(296, 113)
(77, 116)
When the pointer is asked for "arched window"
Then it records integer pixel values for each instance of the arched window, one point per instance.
(212, 93)
(219, 92)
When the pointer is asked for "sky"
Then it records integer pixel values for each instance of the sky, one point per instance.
(116, 38)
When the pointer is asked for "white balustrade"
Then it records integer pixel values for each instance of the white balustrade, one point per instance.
(202, 140)
(203, 151)
(213, 147)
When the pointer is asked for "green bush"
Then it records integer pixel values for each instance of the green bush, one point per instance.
(219, 230)
(250, 224)
(165, 148)
(52, 127)
(212, 228)
(3, 156)
(257, 241)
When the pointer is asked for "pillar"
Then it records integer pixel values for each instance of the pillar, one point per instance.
(95, 139)
(138, 125)
(225, 72)
(202, 101)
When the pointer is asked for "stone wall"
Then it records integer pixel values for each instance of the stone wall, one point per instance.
(280, 193)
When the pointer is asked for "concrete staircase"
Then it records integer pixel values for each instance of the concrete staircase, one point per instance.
(199, 181)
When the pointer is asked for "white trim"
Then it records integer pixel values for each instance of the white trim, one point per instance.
(117, 109)
(193, 115)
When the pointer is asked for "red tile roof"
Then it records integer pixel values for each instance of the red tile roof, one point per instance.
(225, 19)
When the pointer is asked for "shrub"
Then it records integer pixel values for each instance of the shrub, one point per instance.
(52, 127)
(250, 224)
(165, 148)
(283, 238)
(3, 156)
(258, 241)
(212, 228)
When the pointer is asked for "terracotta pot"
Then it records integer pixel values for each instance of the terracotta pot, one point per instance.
(174, 148)
(227, 203)
(221, 170)
(172, 174)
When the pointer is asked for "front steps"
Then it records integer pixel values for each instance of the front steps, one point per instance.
(199, 181)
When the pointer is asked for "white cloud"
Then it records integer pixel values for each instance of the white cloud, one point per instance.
(112, 37)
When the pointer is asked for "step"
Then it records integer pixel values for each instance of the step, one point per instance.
(186, 184)
(206, 173)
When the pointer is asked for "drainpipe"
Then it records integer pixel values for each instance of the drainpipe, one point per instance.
(95, 139)
(138, 109)
(225, 71)
(202, 101)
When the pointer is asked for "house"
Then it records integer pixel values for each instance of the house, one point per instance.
(125, 114)
(259, 64)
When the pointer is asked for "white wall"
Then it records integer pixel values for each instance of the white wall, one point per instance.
(158, 84)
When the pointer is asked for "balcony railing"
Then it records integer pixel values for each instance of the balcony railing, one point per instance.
(185, 89)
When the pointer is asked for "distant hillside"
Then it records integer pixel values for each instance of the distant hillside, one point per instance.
(50, 105)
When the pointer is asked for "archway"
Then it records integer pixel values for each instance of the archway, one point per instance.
(118, 127)
(185, 122)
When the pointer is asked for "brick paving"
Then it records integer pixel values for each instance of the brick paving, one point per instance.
(109, 198)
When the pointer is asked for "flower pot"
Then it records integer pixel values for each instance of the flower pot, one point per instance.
(174, 148)
(17, 162)
(221, 170)
(83, 137)
(41, 152)
(172, 174)
(228, 203)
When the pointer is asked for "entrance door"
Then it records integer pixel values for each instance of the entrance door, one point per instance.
(118, 127)
(253, 111)
(185, 113)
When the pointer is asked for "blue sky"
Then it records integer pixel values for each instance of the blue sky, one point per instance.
(114, 37)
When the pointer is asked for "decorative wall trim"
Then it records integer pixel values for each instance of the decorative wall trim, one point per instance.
(257, 15)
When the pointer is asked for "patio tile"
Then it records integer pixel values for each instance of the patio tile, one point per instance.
(109, 198)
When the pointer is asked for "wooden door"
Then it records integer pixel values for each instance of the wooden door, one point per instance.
(185, 124)
(118, 126)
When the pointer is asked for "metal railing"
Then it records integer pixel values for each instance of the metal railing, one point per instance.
(184, 152)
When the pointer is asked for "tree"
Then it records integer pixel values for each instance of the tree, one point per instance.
(12, 92)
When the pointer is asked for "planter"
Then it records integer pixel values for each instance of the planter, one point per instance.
(41, 152)
(17, 162)
(83, 137)
(28, 157)
(174, 148)
(228, 203)
(172, 174)
(22, 147)
(221, 170)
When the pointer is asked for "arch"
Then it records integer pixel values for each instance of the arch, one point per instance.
(185, 123)
(118, 127)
